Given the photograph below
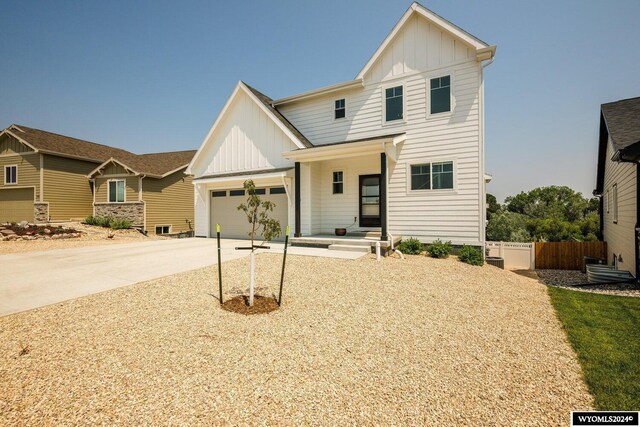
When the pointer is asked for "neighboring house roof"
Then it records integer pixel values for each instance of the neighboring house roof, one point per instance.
(622, 119)
(155, 164)
(620, 123)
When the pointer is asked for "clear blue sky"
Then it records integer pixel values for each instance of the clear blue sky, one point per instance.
(152, 76)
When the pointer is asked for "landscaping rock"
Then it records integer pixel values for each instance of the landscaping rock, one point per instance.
(7, 232)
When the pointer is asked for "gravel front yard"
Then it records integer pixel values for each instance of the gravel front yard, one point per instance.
(420, 341)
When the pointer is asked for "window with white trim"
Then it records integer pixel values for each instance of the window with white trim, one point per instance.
(615, 203)
(340, 110)
(394, 103)
(440, 94)
(116, 191)
(163, 229)
(11, 174)
(338, 183)
(432, 176)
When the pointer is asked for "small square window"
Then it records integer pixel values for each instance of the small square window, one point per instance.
(163, 229)
(116, 191)
(393, 103)
(441, 94)
(338, 183)
(340, 110)
(421, 177)
(11, 174)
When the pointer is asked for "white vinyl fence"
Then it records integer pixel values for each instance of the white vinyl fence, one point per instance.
(517, 256)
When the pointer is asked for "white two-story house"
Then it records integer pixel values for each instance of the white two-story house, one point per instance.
(399, 150)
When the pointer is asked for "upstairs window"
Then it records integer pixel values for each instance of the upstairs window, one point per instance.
(338, 184)
(393, 103)
(116, 191)
(615, 203)
(11, 174)
(340, 110)
(441, 94)
(432, 176)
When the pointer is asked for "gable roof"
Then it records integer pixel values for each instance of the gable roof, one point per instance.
(266, 105)
(156, 164)
(620, 123)
(448, 26)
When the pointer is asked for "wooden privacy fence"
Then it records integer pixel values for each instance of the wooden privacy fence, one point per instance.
(567, 255)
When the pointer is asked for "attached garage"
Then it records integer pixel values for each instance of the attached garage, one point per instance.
(233, 223)
(16, 204)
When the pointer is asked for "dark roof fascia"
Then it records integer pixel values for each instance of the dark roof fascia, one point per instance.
(243, 173)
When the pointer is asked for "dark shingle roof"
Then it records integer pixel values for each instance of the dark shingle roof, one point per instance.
(623, 122)
(150, 164)
(268, 102)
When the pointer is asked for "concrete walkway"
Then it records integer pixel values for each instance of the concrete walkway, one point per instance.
(35, 279)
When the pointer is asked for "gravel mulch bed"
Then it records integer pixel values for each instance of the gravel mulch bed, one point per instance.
(91, 236)
(416, 342)
(569, 278)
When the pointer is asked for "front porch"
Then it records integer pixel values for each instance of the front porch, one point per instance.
(355, 241)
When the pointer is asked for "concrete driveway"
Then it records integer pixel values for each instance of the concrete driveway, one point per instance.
(34, 279)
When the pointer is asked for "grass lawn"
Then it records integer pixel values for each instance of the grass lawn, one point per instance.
(605, 333)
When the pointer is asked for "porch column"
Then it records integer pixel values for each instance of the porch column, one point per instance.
(383, 196)
(297, 232)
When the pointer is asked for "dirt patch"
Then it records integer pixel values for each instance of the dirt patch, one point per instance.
(261, 305)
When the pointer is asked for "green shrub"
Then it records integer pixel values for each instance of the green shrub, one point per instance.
(120, 223)
(439, 249)
(411, 246)
(471, 255)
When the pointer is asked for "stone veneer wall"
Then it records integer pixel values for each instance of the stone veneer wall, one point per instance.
(41, 212)
(133, 211)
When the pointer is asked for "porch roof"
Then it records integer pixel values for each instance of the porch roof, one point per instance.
(357, 147)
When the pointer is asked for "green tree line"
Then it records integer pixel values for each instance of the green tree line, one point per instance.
(551, 214)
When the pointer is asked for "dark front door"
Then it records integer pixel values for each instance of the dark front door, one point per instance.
(370, 200)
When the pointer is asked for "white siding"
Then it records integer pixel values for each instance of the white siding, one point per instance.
(620, 236)
(339, 210)
(246, 139)
(429, 215)
(201, 206)
(420, 45)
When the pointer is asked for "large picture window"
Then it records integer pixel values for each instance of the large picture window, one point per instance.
(441, 94)
(116, 191)
(393, 103)
(432, 176)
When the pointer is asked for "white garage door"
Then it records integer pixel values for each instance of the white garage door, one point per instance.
(233, 223)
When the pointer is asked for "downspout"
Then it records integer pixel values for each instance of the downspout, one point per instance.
(636, 230)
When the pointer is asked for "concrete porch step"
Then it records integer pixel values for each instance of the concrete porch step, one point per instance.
(350, 248)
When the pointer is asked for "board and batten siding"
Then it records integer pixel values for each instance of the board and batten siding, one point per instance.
(169, 201)
(246, 139)
(456, 215)
(131, 188)
(67, 188)
(9, 145)
(620, 236)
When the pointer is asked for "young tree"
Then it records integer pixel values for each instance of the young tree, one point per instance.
(257, 213)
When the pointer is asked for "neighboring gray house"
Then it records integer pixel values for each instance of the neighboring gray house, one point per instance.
(617, 181)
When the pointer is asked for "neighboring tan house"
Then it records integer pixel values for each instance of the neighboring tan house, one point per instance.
(617, 182)
(151, 190)
(46, 178)
(398, 150)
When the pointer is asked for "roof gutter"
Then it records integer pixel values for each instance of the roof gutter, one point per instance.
(321, 91)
